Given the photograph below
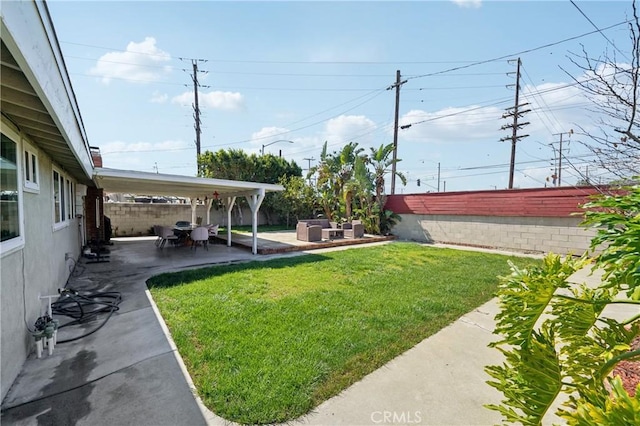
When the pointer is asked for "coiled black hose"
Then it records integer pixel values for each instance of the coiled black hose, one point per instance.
(85, 307)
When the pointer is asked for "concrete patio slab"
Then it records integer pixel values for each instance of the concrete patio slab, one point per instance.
(129, 372)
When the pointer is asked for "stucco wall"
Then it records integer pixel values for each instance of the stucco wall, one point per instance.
(529, 234)
(133, 219)
(39, 268)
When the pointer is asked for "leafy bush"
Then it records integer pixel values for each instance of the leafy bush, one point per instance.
(553, 333)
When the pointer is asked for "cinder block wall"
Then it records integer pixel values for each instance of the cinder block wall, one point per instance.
(136, 219)
(538, 220)
(527, 234)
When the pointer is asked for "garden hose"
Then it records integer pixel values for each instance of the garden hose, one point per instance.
(83, 308)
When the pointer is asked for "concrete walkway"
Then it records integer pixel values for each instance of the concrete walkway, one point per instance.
(129, 373)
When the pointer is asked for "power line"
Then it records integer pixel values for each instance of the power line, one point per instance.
(598, 29)
(511, 55)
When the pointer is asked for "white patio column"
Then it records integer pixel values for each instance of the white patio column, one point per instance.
(194, 204)
(255, 200)
(229, 204)
(208, 204)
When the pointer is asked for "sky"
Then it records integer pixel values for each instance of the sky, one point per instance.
(287, 77)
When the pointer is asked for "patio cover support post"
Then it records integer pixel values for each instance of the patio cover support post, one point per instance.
(194, 204)
(230, 202)
(209, 203)
(255, 200)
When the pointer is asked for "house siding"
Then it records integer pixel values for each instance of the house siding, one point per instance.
(38, 268)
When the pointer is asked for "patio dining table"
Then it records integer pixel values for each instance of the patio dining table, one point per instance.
(183, 232)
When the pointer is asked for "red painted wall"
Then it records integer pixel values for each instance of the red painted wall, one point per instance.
(537, 202)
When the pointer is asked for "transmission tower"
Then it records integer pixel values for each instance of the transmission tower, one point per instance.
(516, 112)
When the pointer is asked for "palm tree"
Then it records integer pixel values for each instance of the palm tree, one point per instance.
(335, 174)
(382, 166)
(381, 163)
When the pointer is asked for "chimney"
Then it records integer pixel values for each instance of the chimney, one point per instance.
(96, 156)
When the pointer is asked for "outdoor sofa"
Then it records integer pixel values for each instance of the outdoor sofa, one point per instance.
(311, 229)
(317, 229)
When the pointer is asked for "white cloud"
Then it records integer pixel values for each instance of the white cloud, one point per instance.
(451, 124)
(350, 128)
(159, 98)
(140, 63)
(231, 101)
(226, 101)
(267, 133)
(468, 3)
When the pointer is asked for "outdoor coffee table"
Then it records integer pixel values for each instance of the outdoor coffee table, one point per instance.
(331, 233)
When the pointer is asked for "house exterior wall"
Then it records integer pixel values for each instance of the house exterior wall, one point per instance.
(134, 219)
(34, 264)
(537, 220)
(37, 268)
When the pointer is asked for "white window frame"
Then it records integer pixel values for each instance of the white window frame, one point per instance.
(69, 188)
(66, 207)
(17, 243)
(31, 170)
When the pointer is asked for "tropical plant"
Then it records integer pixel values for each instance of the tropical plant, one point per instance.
(556, 336)
(382, 166)
(335, 183)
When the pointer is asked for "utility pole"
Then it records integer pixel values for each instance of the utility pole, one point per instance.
(570, 132)
(514, 112)
(438, 176)
(196, 105)
(309, 167)
(396, 85)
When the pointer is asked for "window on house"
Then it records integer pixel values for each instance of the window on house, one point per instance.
(57, 197)
(31, 172)
(9, 195)
(63, 198)
(69, 198)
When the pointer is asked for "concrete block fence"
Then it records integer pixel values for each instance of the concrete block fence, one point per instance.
(539, 220)
(524, 234)
(137, 219)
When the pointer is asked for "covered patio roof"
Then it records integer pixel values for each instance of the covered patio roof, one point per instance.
(145, 183)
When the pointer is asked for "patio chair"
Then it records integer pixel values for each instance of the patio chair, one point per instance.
(157, 229)
(167, 234)
(213, 231)
(306, 232)
(200, 235)
(353, 229)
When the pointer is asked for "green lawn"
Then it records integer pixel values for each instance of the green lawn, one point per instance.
(265, 342)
